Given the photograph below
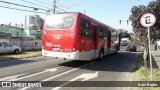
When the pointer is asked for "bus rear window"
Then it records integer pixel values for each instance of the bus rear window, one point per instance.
(60, 21)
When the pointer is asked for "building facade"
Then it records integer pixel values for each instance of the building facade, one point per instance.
(27, 39)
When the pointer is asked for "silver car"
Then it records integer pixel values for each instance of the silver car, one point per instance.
(6, 47)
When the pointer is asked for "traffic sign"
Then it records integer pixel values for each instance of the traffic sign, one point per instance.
(148, 20)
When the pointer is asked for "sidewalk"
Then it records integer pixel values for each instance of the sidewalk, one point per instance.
(156, 57)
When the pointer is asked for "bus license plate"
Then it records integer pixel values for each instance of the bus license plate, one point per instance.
(56, 49)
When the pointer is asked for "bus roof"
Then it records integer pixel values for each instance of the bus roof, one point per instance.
(102, 24)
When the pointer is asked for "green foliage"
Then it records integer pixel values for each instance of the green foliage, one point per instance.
(154, 7)
(143, 74)
(139, 30)
(41, 22)
(125, 34)
(38, 36)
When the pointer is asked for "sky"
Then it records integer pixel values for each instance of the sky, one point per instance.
(108, 12)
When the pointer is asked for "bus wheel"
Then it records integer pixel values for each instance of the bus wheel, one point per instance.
(101, 55)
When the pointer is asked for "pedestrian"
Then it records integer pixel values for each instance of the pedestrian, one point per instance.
(155, 46)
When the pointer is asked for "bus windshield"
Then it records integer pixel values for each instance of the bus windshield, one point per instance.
(60, 21)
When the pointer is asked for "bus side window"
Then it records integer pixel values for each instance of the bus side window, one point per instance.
(105, 34)
(109, 38)
(93, 33)
(101, 32)
(85, 28)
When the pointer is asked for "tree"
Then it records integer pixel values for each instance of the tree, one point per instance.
(40, 27)
(140, 31)
(41, 22)
(154, 8)
(125, 34)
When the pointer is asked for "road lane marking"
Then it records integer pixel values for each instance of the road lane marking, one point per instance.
(65, 72)
(10, 77)
(52, 69)
(15, 78)
(60, 74)
(47, 70)
(86, 77)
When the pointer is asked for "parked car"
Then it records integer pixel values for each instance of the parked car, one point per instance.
(6, 47)
(124, 43)
(131, 47)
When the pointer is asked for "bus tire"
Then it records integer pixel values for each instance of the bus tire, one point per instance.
(101, 55)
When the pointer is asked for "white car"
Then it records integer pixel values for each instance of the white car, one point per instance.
(6, 47)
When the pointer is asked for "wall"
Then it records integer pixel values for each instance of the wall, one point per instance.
(20, 37)
(5, 40)
(27, 44)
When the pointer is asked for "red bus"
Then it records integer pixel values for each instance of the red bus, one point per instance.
(73, 35)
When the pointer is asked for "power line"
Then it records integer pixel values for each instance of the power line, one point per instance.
(23, 5)
(43, 3)
(50, 5)
(72, 5)
(63, 2)
(43, 6)
(22, 10)
(61, 9)
(35, 4)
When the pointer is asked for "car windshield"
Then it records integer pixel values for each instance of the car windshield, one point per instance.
(60, 21)
(124, 41)
(7, 44)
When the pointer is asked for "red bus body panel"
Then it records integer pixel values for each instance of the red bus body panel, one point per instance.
(69, 41)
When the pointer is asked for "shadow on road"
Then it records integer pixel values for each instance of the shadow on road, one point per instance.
(14, 62)
(120, 62)
(155, 65)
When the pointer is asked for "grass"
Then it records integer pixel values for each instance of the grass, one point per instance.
(22, 55)
(143, 74)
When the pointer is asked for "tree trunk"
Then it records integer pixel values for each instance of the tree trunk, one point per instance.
(145, 56)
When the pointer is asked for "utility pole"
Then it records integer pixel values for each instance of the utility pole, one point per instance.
(54, 6)
(25, 22)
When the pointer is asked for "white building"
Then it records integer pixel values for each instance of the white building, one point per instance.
(32, 20)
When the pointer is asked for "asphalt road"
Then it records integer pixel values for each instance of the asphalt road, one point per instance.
(118, 67)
